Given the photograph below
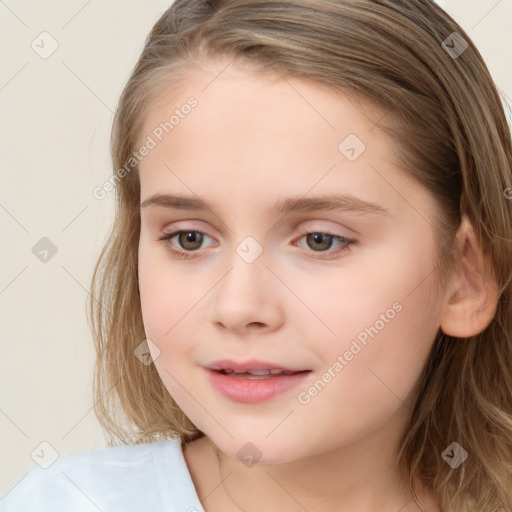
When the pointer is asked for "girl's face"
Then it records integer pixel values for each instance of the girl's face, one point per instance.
(359, 316)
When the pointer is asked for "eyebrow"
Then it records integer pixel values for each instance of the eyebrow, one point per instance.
(303, 204)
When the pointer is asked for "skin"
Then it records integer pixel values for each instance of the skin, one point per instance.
(251, 141)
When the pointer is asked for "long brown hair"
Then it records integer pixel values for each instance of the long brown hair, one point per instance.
(446, 118)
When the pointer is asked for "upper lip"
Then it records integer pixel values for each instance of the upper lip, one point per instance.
(253, 364)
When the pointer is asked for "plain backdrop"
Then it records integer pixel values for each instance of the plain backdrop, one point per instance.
(54, 134)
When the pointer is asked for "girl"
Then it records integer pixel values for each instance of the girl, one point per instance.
(305, 300)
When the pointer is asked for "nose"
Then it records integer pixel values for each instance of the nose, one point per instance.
(248, 297)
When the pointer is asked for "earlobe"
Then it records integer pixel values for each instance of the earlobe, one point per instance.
(472, 298)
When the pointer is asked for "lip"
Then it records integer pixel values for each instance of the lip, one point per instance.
(252, 364)
(253, 390)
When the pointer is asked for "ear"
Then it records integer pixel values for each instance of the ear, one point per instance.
(472, 297)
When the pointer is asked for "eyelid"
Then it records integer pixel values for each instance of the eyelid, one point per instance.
(172, 233)
(303, 230)
(330, 254)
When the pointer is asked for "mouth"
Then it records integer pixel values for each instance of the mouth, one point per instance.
(258, 374)
(252, 366)
(253, 381)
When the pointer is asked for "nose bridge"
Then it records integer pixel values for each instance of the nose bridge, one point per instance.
(246, 269)
(245, 294)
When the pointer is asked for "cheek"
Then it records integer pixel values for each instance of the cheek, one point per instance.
(366, 374)
(373, 380)
(167, 295)
(167, 304)
(383, 332)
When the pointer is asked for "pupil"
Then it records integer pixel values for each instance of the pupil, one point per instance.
(318, 238)
(190, 237)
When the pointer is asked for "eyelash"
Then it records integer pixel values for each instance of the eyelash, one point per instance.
(166, 237)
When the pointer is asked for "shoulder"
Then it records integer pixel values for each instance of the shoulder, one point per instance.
(115, 478)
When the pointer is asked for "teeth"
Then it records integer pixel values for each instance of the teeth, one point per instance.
(258, 372)
(252, 372)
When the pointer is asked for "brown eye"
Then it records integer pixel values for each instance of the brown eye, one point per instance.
(189, 240)
(321, 243)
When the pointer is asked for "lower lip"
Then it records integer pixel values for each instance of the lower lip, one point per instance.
(254, 390)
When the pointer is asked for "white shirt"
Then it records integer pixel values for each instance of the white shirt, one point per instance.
(150, 477)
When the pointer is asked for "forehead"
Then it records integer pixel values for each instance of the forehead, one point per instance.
(252, 136)
(232, 95)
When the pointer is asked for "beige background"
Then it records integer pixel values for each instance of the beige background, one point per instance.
(56, 117)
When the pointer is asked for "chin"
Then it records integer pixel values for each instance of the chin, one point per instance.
(257, 450)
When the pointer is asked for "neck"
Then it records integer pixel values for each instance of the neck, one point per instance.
(363, 475)
(368, 483)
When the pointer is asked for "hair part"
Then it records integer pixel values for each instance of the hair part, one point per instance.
(448, 129)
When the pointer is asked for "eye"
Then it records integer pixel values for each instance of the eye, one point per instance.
(191, 241)
(321, 240)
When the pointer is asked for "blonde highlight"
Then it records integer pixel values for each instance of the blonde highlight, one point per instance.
(450, 133)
